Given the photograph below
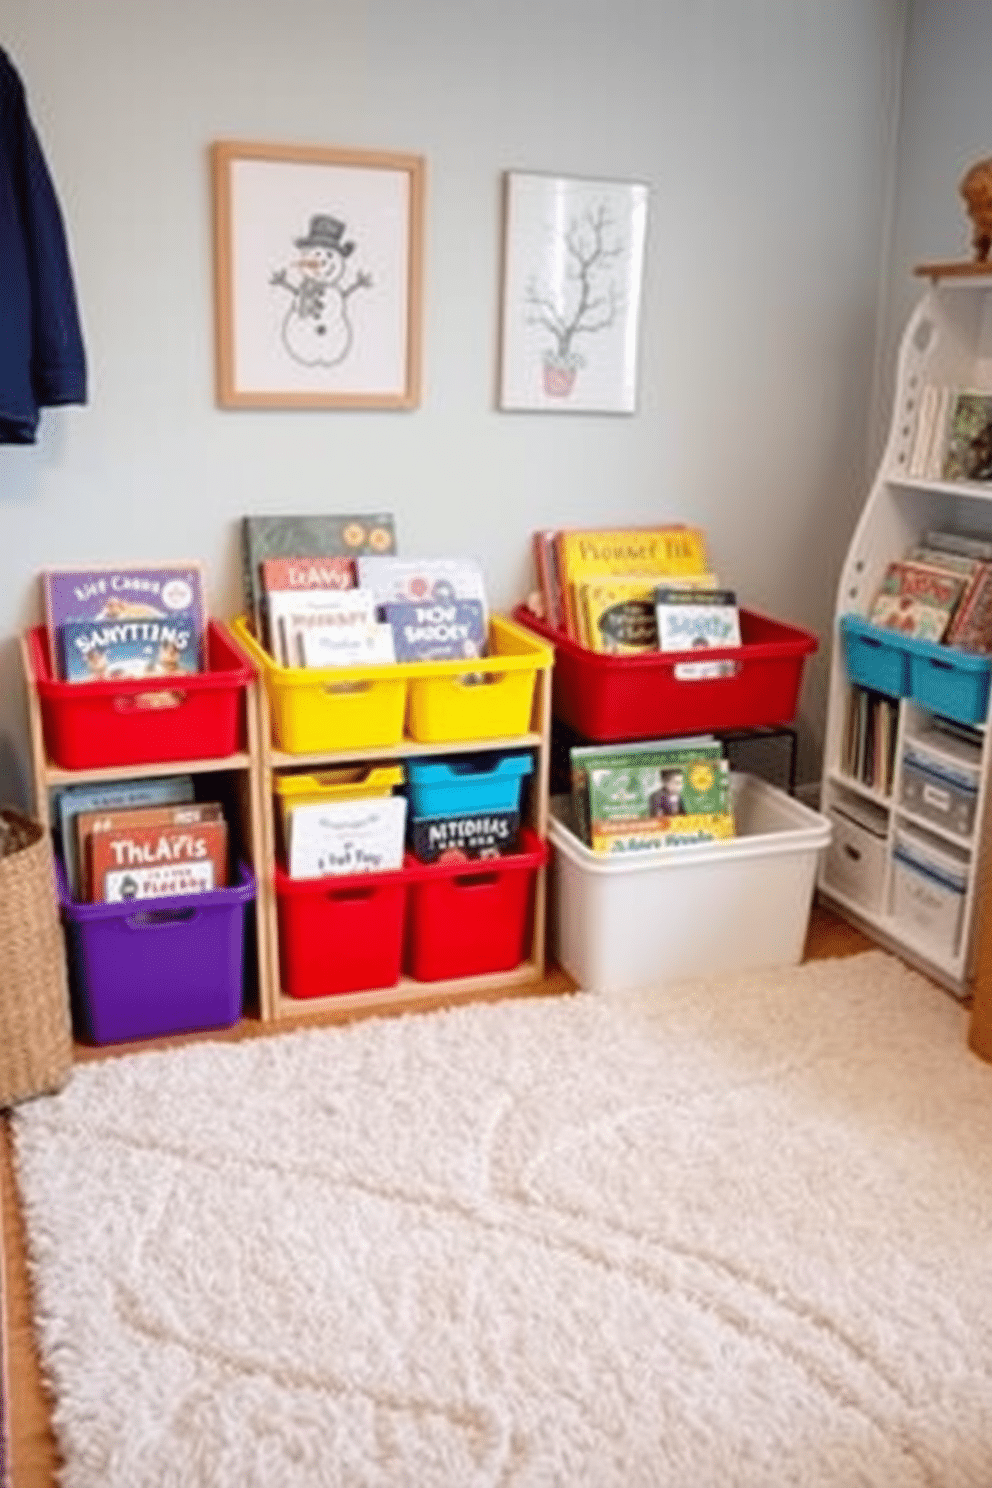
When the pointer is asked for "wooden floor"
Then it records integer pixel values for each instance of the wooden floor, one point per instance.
(33, 1456)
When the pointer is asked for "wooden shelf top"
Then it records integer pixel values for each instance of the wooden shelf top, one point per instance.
(963, 269)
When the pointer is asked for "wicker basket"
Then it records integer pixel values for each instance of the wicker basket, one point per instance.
(35, 1021)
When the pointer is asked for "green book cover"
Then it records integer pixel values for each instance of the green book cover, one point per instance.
(647, 754)
(684, 782)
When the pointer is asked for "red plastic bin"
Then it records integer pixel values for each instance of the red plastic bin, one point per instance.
(466, 918)
(341, 933)
(88, 725)
(608, 698)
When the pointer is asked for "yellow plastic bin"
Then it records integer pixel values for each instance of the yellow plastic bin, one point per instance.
(333, 708)
(493, 698)
(324, 708)
(337, 783)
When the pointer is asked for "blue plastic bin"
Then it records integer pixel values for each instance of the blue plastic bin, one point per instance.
(876, 658)
(952, 683)
(468, 783)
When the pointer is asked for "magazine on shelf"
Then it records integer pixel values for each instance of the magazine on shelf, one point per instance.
(127, 620)
(307, 535)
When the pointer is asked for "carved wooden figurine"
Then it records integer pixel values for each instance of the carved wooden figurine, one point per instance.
(976, 188)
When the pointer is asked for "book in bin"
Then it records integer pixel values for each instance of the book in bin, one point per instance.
(669, 792)
(74, 799)
(158, 861)
(306, 535)
(599, 553)
(127, 621)
(93, 824)
(916, 599)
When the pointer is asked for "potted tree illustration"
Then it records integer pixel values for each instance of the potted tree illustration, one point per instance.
(584, 302)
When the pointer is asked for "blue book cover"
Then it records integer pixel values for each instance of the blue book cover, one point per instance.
(441, 630)
(123, 650)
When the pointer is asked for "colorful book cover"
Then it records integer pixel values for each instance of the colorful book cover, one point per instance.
(155, 861)
(440, 631)
(684, 831)
(619, 615)
(967, 453)
(583, 758)
(420, 580)
(971, 626)
(605, 553)
(689, 619)
(74, 799)
(308, 573)
(111, 650)
(123, 819)
(686, 783)
(309, 535)
(916, 599)
(548, 579)
(122, 594)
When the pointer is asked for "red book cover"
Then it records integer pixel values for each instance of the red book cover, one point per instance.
(308, 573)
(152, 862)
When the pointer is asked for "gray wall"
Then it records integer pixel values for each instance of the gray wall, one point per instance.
(766, 130)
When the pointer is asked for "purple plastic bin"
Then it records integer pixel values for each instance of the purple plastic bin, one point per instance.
(157, 966)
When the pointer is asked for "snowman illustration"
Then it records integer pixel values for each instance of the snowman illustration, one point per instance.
(316, 329)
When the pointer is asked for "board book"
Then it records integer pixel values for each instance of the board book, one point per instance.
(90, 824)
(307, 535)
(152, 862)
(125, 620)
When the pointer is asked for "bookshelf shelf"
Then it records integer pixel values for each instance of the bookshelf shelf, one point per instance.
(947, 341)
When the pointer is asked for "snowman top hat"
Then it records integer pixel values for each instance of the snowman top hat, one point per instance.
(326, 232)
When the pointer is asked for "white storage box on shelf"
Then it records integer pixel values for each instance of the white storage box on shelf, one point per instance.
(742, 904)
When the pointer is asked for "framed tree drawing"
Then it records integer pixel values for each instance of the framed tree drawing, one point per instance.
(318, 263)
(573, 261)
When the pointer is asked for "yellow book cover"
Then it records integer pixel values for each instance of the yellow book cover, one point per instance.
(649, 835)
(618, 615)
(606, 553)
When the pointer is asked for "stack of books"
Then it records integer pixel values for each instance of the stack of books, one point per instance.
(331, 591)
(941, 590)
(122, 622)
(628, 798)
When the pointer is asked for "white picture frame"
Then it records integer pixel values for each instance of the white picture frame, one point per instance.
(318, 267)
(573, 267)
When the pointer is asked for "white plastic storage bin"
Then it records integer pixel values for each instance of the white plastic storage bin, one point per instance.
(929, 879)
(855, 861)
(940, 776)
(619, 924)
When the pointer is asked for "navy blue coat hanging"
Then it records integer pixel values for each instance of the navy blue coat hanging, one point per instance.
(42, 360)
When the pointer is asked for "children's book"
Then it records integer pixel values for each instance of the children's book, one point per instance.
(309, 535)
(697, 619)
(155, 861)
(348, 614)
(74, 799)
(605, 553)
(648, 755)
(971, 624)
(89, 824)
(422, 580)
(967, 451)
(916, 599)
(442, 630)
(445, 839)
(548, 578)
(323, 645)
(125, 620)
(360, 835)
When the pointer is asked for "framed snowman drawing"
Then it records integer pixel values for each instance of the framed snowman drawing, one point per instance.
(317, 263)
(573, 259)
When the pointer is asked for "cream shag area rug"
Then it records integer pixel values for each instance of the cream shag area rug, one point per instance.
(737, 1233)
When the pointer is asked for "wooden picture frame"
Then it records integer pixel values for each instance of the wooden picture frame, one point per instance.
(573, 264)
(318, 261)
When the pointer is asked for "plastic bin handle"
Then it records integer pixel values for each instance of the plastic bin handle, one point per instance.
(158, 919)
(356, 893)
(473, 880)
(342, 689)
(137, 702)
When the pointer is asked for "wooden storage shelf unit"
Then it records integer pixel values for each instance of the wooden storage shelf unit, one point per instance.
(240, 768)
(947, 342)
(406, 994)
